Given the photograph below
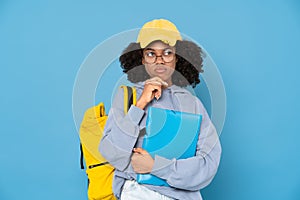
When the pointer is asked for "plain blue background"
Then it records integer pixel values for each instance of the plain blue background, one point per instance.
(254, 44)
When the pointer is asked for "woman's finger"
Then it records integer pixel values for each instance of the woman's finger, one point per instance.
(157, 80)
(152, 82)
(139, 150)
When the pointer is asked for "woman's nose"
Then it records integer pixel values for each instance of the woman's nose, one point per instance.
(159, 60)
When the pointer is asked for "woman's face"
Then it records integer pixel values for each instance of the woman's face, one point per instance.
(160, 60)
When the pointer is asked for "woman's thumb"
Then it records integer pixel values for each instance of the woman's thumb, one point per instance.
(139, 150)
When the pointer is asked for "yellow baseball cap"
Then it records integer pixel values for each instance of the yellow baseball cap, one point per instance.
(158, 29)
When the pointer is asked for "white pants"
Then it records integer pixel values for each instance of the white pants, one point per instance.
(134, 191)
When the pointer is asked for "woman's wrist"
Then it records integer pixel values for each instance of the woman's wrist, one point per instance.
(141, 104)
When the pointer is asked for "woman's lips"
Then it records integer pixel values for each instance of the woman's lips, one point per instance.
(160, 70)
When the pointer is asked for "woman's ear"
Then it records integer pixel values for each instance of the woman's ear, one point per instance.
(143, 61)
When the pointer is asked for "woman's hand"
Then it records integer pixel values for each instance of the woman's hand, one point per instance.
(153, 88)
(141, 161)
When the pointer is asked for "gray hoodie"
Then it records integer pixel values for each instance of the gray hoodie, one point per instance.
(185, 176)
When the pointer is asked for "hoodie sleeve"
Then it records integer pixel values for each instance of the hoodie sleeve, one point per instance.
(196, 172)
(120, 133)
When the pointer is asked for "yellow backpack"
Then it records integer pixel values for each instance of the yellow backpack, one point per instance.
(98, 170)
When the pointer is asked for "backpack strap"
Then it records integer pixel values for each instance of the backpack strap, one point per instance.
(81, 157)
(130, 100)
(129, 97)
(133, 96)
(101, 110)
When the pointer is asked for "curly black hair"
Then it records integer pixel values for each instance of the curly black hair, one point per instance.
(188, 66)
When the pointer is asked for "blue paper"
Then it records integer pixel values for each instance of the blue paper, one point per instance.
(170, 134)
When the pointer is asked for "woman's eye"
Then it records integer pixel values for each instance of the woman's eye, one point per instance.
(150, 54)
(168, 52)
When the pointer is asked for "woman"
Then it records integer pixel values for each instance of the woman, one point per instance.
(160, 65)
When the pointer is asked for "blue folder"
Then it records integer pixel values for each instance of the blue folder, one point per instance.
(170, 134)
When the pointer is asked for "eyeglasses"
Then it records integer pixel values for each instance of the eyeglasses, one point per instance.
(150, 56)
